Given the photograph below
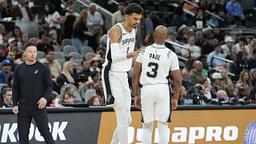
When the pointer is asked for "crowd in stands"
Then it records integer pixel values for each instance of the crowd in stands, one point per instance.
(216, 67)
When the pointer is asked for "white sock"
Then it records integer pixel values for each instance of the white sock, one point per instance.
(147, 133)
(123, 135)
(163, 131)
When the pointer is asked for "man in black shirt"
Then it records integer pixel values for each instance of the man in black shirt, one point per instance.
(31, 91)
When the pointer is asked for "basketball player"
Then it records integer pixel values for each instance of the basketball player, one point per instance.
(152, 70)
(119, 54)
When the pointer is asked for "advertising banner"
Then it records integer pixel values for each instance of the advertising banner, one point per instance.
(96, 127)
(193, 127)
(66, 128)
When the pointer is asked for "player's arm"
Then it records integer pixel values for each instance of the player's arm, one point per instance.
(135, 84)
(176, 78)
(115, 36)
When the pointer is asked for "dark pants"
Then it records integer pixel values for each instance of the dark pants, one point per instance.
(25, 115)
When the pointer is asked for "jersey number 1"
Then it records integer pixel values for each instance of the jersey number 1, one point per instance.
(154, 68)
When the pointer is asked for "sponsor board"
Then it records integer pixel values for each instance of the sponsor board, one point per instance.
(66, 128)
(190, 127)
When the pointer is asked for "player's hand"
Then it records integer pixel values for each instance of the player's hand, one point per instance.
(131, 54)
(137, 102)
(42, 103)
(15, 109)
(141, 50)
(174, 103)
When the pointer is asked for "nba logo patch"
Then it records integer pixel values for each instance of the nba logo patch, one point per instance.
(250, 134)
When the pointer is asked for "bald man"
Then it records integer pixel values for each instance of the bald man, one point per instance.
(152, 70)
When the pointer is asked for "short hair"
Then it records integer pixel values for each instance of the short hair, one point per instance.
(29, 44)
(49, 49)
(133, 8)
(5, 90)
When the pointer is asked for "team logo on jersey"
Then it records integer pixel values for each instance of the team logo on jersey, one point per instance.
(128, 40)
(250, 134)
(36, 71)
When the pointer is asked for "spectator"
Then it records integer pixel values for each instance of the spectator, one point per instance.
(231, 91)
(43, 43)
(87, 90)
(200, 19)
(7, 69)
(244, 92)
(216, 82)
(199, 38)
(222, 96)
(59, 83)
(253, 76)
(186, 82)
(95, 64)
(207, 88)
(52, 17)
(3, 52)
(68, 98)
(144, 35)
(99, 90)
(95, 101)
(244, 79)
(216, 6)
(252, 45)
(53, 65)
(94, 17)
(17, 33)
(95, 76)
(252, 60)
(191, 50)
(196, 74)
(242, 46)
(7, 97)
(80, 31)
(3, 33)
(235, 11)
(240, 64)
(54, 38)
(119, 15)
(85, 72)
(228, 46)
(13, 47)
(218, 34)
(212, 58)
(56, 4)
(68, 20)
(22, 11)
(69, 73)
(225, 81)
(4, 12)
(24, 41)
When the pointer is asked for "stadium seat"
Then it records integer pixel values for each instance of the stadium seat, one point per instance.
(33, 40)
(65, 42)
(86, 49)
(75, 55)
(60, 61)
(78, 62)
(89, 55)
(40, 54)
(88, 94)
(68, 49)
(57, 48)
(58, 55)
